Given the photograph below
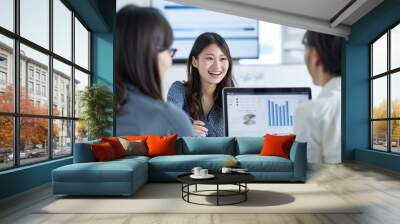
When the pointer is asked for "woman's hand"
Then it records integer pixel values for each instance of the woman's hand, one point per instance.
(199, 129)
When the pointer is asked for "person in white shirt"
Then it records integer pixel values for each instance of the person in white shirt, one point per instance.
(318, 122)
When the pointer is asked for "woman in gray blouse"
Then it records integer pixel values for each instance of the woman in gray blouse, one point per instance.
(143, 41)
(209, 70)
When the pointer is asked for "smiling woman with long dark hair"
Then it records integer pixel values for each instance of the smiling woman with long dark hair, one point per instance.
(143, 40)
(209, 70)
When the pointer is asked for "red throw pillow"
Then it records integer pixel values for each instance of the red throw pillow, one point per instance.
(116, 145)
(161, 145)
(103, 151)
(277, 145)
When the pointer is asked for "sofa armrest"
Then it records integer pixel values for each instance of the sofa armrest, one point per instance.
(83, 152)
(298, 155)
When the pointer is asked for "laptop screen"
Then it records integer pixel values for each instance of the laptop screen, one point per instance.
(260, 111)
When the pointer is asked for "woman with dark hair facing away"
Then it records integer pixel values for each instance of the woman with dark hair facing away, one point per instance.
(209, 70)
(143, 40)
(318, 122)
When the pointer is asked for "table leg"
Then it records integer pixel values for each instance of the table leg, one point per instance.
(217, 194)
(196, 188)
(245, 193)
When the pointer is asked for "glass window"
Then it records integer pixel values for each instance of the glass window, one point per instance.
(379, 56)
(81, 45)
(30, 87)
(6, 142)
(81, 81)
(3, 78)
(33, 139)
(395, 136)
(35, 21)
(43, 90)
(379, 97)
(383, 138)
(395, 47)
(379, 135)
(62, 29)
(62, 138)
(40, 62)
(37, 89)
(395, 95)
(30, 71)
(6, 73)
(7, 14)
(34, 93)
(3, 60)
(62, 72)
(81, 131)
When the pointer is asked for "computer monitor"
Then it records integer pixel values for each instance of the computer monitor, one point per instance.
(260, 111)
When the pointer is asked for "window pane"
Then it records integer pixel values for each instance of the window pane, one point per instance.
(379, 135)
(34, 72)
(33, 139)
(81, 81)
(62, 89)
(7, 14)
(6, 142)
(6, 74)
(62, 29)
(81, 131)
(395, 47)
(62, 141)
(395, 136)
(379, 55)
(81, 45)
(379, 97)
(35, 21)
(395, 94)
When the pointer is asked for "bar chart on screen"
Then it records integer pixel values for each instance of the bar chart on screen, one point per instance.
(278, 114)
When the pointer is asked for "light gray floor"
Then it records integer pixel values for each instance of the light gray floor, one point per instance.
(378, 188)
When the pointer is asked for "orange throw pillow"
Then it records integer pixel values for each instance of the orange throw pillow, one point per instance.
(135, 138)
(103, 151)
(161, 145)
(277, 145)
(116, 145)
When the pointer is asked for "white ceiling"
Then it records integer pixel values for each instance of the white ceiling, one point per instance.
(317, 15)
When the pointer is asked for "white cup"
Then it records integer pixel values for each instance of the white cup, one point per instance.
(196, 170)
(203, 172)
(226, 170)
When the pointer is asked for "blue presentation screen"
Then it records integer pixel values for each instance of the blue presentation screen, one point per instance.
(260, 111)
(241, 34)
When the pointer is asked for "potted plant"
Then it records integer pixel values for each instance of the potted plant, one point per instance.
(96, 102)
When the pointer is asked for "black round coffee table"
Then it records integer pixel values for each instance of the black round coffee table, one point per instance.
(238, 179)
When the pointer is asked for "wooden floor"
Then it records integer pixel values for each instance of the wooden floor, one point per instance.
(378, 188)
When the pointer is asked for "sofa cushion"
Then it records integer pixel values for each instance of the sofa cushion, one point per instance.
(112, 171)
(161, 145)
(103, 151)
(185, 163)
(257, 163)
(277, 145)
(116, 145)
(209, 145)
(249, 145)
(135, 147)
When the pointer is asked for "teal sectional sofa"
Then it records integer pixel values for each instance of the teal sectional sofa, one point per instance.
(125, 176)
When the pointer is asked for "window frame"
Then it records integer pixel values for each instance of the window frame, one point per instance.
(16, 115)
(388, 74)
